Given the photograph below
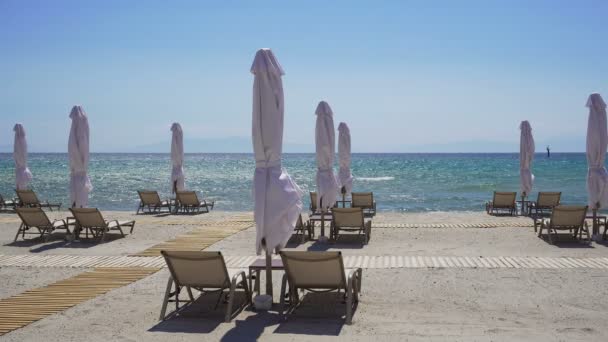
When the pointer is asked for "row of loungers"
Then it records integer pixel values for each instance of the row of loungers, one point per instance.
(34, 221)
(185, 202)
(547, 213)
(343, 220)
(207, 273)
(28, 199)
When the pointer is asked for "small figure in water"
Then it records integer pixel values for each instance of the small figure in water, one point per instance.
(548, 151)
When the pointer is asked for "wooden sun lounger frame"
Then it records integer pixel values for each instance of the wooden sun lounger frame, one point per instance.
(575, 224)
(98, 226)
(350, 220)
(238, 280)
(365, 201)
(7, 204)
(150, 207)
(543, 206)
(291, 285)
(28, 198)
(192, 204)
(496, 206)
(44, 226)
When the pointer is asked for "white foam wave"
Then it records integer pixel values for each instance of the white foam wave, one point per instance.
(374, 179)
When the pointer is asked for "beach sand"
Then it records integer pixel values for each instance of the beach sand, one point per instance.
(443, 304)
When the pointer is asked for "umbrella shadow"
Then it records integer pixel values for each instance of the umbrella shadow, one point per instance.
(202, 316)
(252, 327)
(318, 314)
(565, 241)
(350, 241)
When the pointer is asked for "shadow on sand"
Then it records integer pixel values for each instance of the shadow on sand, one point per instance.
(58, 241)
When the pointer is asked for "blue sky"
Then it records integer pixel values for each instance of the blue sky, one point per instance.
(405, 75)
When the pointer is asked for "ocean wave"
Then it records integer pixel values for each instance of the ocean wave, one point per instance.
(375, 179)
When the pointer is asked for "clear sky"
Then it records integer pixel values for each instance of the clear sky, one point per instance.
(405, 75)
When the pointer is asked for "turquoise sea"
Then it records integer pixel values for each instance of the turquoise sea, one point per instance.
(400, 182)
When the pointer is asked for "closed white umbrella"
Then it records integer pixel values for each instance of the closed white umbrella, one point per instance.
(526, 155)
(22, 173)
(177, 158)
(597, 139)
(344, 175)
(78, 150)
(277, 198)
(325, 140)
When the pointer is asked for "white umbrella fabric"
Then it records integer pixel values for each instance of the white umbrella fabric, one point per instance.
(597, 140)
(344, 175)
(526, 155)
(177, 158)
(78, 150)
(325, 140)
(277, 198)
(22, 173)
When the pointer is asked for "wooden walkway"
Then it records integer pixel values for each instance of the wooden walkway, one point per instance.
(22, 309)
(350, 261)
(110, 272)
(199, 238)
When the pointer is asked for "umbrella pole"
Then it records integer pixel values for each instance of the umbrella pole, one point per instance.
(523, 198)
(595, 228)
(343, 190)
(268, 271)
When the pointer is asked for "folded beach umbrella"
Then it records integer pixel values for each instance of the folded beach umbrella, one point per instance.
(597, 138)
(526, 155)
(325, 140)
(277, 198)
(177, 158)
(344, 175)
(78, 150)
(22, 174)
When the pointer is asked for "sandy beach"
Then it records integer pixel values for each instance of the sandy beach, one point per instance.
(452, 303)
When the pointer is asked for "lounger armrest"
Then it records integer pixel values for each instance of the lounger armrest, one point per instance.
(234, 282)
(354, 279)
(63, 222)
(113, 221)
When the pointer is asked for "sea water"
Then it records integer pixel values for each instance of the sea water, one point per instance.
(400, 182)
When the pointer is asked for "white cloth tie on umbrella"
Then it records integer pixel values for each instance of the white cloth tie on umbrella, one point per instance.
(526, 155)
(22, 173)
(177, 158)
(597, 140)
(78, 150)
(344, 175)
(325, 139)
(277, 198)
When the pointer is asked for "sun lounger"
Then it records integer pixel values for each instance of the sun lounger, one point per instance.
(313, 202)
(350, 220)
(36, 218)
(503, 202)
(542, 207)
(318, 272)
(188, 202)
(150, 202)
(566, 217)
(303, 229)
(365, 201)
(202, 271)
(28, 198)
(7, 204)
(91, 220)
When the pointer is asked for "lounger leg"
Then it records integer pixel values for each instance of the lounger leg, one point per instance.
(132, 227)
(21, 228)
(230, 300)
(282, 301)
(166, 299)
(190, 293)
